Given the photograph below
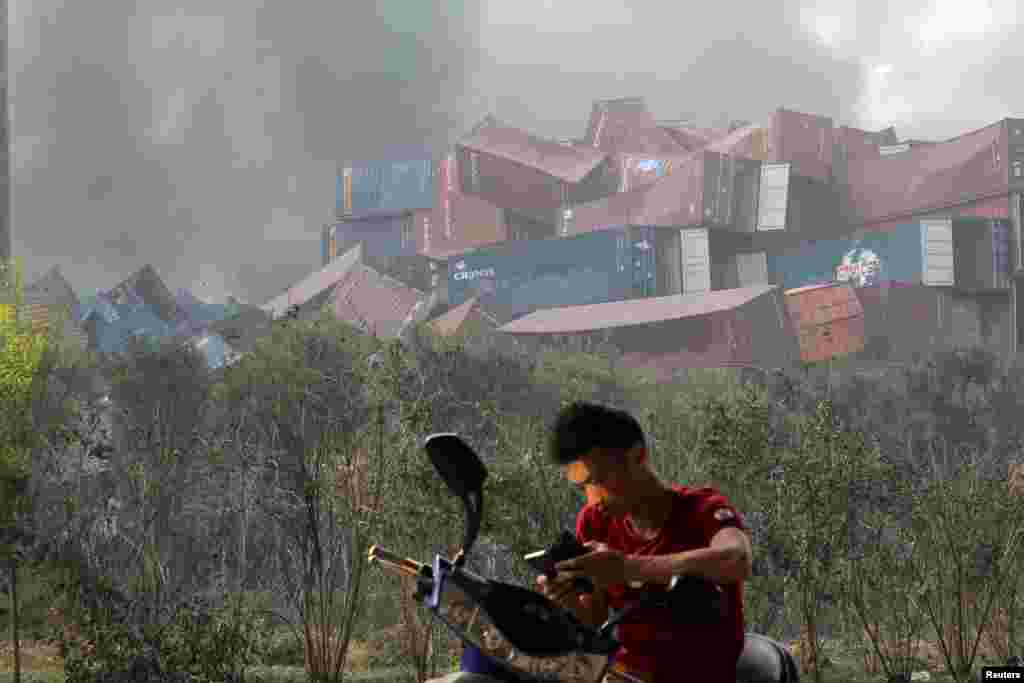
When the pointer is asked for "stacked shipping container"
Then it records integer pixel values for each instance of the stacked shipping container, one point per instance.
(804, 140)
(521, 277)
(386, 187)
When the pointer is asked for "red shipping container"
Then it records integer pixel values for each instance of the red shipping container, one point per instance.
(828, 320)
(855, 143)
(625, 126)
(930, 178)
(513, 169)
(677, 200)
(750, 142)
(992, 207)
(460, 221)
(805, 140)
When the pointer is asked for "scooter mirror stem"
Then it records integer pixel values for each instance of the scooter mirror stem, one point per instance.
(460, 559)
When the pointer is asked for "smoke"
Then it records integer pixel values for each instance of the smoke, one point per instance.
(204, 138)
(713, 60)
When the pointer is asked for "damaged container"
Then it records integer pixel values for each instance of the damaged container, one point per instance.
(828, 320)
(913, 253)
(805, 140)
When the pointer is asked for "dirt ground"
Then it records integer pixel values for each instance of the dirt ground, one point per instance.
(36, 655)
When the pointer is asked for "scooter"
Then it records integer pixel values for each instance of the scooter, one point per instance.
(532, 624)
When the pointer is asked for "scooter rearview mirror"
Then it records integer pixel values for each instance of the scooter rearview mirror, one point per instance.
(464, 474)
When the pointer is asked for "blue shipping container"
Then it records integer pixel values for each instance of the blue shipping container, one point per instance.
(388, 187)
(381, 236)
(899, 256)
(521, 277)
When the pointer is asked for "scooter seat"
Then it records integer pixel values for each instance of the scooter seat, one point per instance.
(764, 660)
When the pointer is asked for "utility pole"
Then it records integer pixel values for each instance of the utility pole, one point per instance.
(5, 147)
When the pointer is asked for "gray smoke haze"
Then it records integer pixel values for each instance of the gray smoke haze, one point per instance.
(204, 139)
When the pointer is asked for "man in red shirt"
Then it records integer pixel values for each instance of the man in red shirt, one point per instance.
(642, 532)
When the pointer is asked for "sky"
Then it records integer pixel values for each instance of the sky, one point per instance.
(203, 138)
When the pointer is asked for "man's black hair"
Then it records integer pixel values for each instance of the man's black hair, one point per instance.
(581, 427)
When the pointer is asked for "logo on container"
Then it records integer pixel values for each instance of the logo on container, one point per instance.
(860, 267)
(463, 274)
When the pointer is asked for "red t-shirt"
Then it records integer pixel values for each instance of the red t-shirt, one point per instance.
(652, 641)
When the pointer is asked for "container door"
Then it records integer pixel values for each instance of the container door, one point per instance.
(696, 260)
(752, 269)
(773, 197)
(937, 252)
(1001, 254)
(670, 275)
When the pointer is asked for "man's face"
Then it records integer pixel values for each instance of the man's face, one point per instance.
(604, 478)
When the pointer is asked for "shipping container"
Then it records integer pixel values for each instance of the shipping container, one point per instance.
(773, 197)
(805, 140)
(461, 221)
(387, 187)
(982, 249)
(521, 226)
(719, 186)
(695, 256)
(697, 193)
(520, 277)
(746, 270)
(506, 183)
(379, 236)
(627, 126)
(928, 178)
(745, 195)
(913, 253)
(635, 171)
(603, 181)
(828, 320)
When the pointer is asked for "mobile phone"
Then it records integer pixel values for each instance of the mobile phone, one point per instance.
(566, 548)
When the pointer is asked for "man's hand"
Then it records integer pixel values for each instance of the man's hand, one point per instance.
(561, 591)
(603, 565)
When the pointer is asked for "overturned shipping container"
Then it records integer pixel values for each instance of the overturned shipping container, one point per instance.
(828, 320)
(519, 277)
(703, 190)
(669, 335)
(805, 140)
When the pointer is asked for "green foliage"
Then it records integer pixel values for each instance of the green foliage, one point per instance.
(880, 590)
(212, 644)
(309, 450)
(965, 576)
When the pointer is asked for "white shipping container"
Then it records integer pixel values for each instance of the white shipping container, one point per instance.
(695, 257)
(773, 197)
(937, 252)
